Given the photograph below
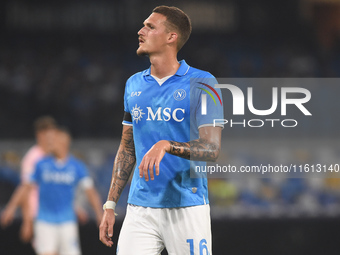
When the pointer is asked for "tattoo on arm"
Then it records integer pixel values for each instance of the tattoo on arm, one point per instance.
(199, 149)
(123, 165)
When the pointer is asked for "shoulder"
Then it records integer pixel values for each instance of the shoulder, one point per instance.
(44, 160)
(32, 150)
(77, 162)
(198, 73)
(33, 153)
(47, 158)
(201, 78)
(134, 82)
(135, 77)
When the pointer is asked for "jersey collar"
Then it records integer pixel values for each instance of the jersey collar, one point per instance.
(182, 70)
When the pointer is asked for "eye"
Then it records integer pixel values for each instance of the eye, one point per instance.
(150, 26)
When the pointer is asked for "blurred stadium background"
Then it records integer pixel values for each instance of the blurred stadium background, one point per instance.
(70, 59)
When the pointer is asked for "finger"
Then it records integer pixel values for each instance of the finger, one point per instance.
(103, 237)
(144, 167)
(146, 175)
(107, 241)
(102, 232)
(110, 230)
(152, 177)
(157, 167)
(141, 168)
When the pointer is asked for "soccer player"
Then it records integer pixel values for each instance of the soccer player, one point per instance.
(57, 176)
(44, 128)
(163, 129)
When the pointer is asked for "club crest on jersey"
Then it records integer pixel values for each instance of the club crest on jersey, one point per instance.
(180, 94)
(137, 113)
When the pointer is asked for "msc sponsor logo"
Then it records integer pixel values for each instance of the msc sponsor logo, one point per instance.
(158, 114)
(165, 114)
(58, 177)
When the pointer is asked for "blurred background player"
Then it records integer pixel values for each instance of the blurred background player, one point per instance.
(57, 177)
(44, 128)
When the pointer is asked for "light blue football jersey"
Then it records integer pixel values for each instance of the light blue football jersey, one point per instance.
(57, 186)
(171, 111)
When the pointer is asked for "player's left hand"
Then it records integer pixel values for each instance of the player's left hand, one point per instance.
(106, 227)
(152, 159)
(26, 231)
(82, 215)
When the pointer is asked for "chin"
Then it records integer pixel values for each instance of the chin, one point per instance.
(141, 52)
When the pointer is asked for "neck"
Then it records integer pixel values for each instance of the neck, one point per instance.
(165, 65)
(60, 156)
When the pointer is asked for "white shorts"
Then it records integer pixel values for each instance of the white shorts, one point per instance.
(146, 231)
(61, 238)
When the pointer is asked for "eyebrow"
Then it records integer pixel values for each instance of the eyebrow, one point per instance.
(148, 24)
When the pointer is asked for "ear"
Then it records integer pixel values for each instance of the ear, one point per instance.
(172, 37)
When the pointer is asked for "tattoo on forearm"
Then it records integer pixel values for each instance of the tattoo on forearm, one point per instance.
(199, 149)
(123, 165)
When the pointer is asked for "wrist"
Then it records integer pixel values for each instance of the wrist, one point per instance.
(109, 205)
(166, 145)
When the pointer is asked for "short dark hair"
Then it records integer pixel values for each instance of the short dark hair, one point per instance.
(176, 20)
(44, 123)
(64, 130)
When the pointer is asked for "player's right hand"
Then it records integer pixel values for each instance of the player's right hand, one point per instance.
(7, 216)
(152, 159)
(106, 227)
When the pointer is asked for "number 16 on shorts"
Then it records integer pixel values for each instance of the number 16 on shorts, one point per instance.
(202, 247)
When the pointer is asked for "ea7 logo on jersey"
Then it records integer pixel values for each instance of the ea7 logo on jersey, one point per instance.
(136, 93)
(166, 114)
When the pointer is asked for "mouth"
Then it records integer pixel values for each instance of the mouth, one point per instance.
(140, 40)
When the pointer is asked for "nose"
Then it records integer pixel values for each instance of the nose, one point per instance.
(141, 31)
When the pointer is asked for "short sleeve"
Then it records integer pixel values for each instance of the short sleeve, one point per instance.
(127, 119)
(84, 180)
(35, 176)
(81, 170)
(27, 168)
(28, 163)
